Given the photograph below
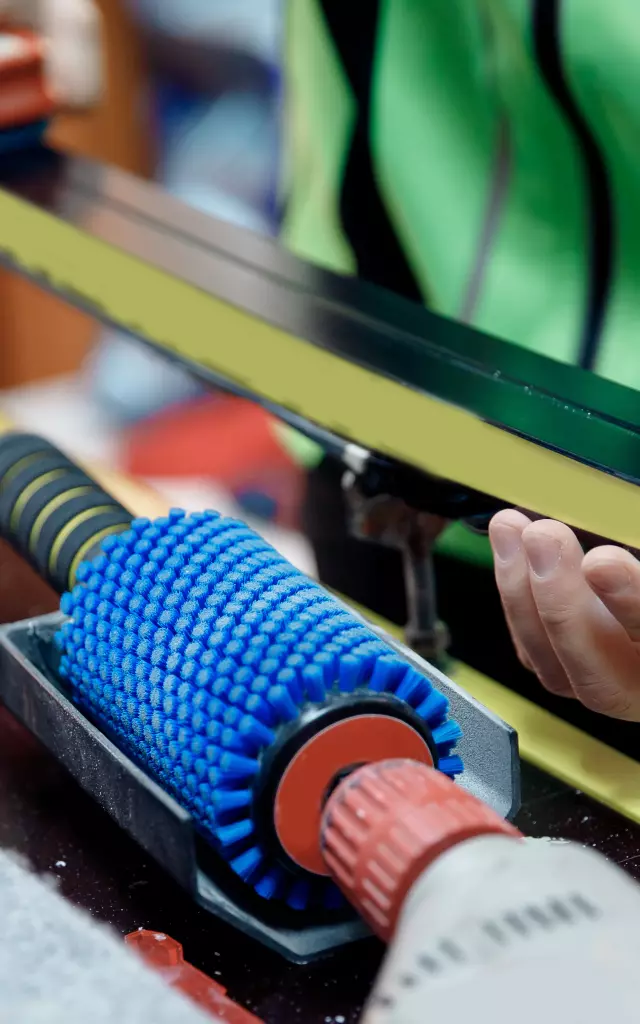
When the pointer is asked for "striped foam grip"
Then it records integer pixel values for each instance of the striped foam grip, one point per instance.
(51, 511)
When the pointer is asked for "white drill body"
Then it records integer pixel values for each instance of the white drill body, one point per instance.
(501, 929)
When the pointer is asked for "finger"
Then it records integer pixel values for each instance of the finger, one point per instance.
(505, 544)
(512, 577)
(594, 650)
(73, 56)
(614, 575)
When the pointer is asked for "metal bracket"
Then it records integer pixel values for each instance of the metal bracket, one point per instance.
(393, 505)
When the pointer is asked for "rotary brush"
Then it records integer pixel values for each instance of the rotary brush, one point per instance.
(238, 684)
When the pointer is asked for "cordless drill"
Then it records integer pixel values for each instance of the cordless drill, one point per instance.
(480, 920)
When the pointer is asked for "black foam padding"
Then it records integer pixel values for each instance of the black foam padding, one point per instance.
(24, 477)
(14, 447)
(61, 485)
(59, 518)
(85, 530)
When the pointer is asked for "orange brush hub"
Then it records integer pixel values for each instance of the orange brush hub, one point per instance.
(311, 759)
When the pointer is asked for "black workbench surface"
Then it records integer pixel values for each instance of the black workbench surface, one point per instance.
(49, 820)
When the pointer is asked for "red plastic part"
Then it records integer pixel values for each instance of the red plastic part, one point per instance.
(165, 955)
(386, 823)
(229, 440)
(24, 98)
(299, 799)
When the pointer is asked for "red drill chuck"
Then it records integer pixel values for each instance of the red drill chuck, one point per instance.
(386, 823)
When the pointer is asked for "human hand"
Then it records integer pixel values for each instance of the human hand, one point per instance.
(574, 618)
(71, 31)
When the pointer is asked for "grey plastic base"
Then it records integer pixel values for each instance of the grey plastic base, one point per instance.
(30, 690)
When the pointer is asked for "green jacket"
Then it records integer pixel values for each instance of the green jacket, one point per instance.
(481, 156)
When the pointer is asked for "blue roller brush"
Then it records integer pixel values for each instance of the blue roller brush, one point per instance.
(237, 683)
(201, 650)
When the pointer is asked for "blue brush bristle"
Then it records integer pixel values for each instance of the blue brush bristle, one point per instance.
(192, 642)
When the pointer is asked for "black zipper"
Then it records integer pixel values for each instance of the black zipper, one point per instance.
(546, 25)
(379, 255)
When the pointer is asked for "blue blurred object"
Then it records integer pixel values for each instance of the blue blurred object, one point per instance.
(250, 26)
(131, 383)
(27, 135)
(218, 152)
(221, 156)
(255, 503)
(218, 143)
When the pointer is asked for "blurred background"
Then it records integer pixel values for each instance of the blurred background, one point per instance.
(204, 122)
